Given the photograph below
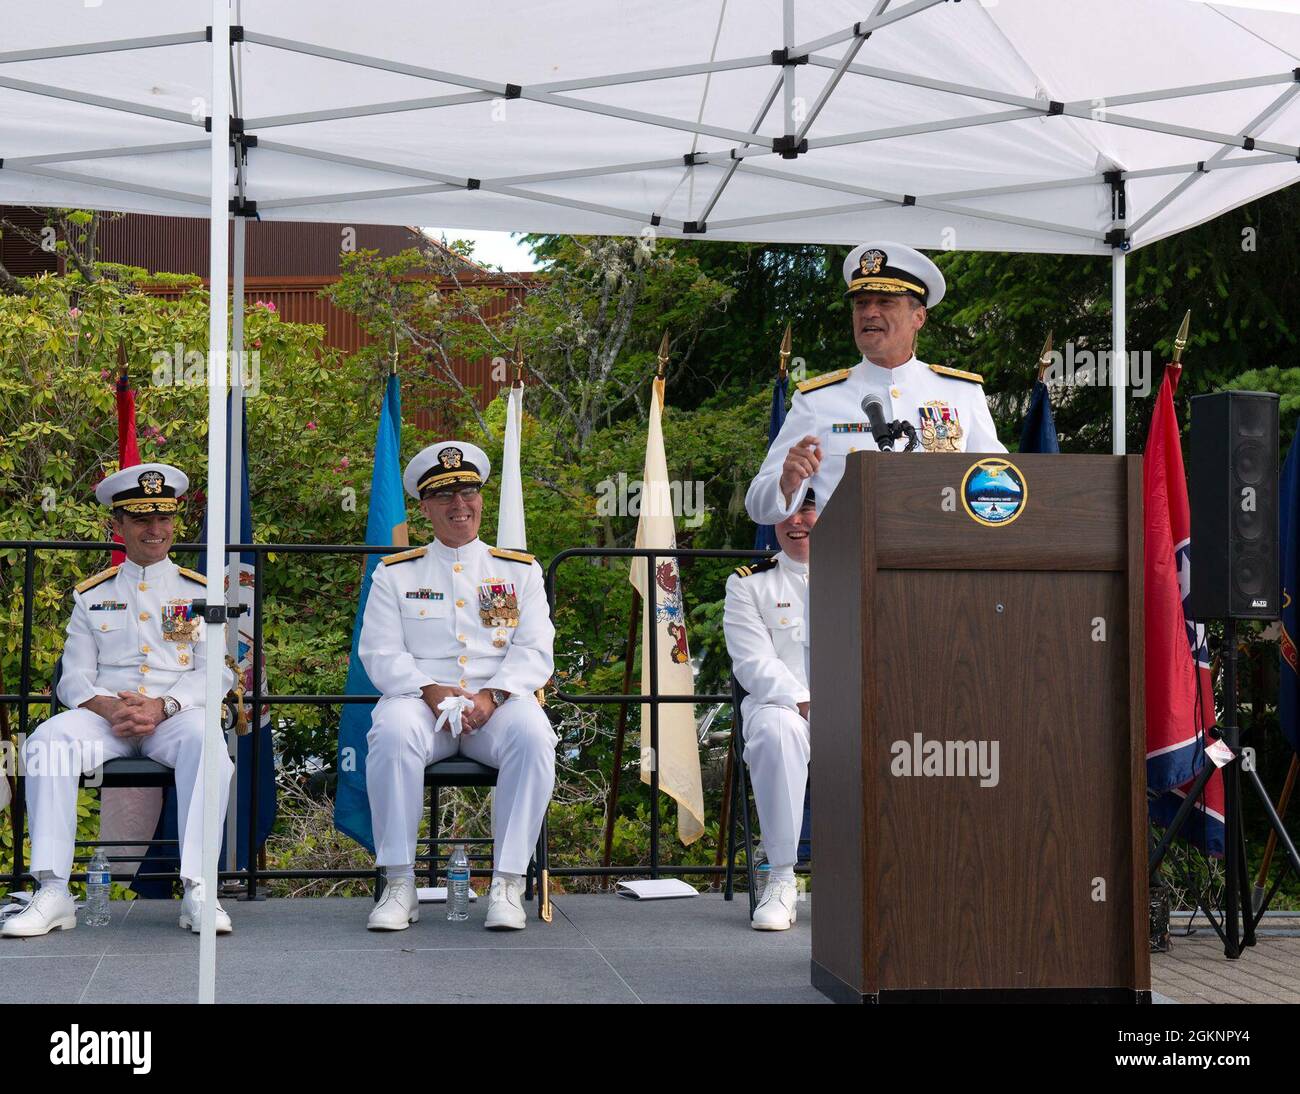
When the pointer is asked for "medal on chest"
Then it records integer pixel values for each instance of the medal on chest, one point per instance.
(940, 429)
(179, 623)
(498, 604)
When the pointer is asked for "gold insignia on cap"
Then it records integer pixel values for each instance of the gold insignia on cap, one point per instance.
(450, 458)
(151, 482)
(872, 262)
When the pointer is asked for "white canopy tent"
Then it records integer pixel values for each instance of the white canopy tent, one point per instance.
(1009, 125)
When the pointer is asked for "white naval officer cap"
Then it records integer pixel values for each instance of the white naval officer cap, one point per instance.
(144, 488)
(447, 463)
(893, 268)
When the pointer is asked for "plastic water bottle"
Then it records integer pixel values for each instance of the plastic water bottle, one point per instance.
(98, 881)
(458, 885)
(762, 871)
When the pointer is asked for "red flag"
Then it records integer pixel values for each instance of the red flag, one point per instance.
(1179, 691)
(128, 453)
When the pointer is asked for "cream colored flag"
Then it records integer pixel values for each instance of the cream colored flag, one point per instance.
(679, 750)
(510, 510)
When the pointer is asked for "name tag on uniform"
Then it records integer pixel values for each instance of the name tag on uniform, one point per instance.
(498, 604)
(108, 606)
(179, 623)
(423, 594)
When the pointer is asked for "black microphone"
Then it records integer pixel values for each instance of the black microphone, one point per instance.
(874, 408)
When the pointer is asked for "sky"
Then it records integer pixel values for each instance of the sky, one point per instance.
(493, 249)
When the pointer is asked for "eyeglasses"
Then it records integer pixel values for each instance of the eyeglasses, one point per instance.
(443, 497)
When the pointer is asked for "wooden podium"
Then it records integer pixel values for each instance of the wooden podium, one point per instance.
(952, 607)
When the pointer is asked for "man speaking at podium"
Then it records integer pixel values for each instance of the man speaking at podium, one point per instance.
(889, 400)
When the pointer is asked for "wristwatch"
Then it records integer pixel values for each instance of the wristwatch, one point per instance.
(171, 707)
(498, 696)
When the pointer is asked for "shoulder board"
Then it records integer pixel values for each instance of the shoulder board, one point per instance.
(944, 370)
(513, 556)
(757, 568)
(193, 575)
(97, 579)
(824, 381)
(404, 556)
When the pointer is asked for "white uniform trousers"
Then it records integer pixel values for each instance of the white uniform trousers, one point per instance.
(517, 740)
(777, 750)
(75, 742)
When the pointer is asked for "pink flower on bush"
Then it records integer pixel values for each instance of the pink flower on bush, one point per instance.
(74, 313)
(344, 463)
(105, 374)
(269, 305)
(311, 425)
(257, 344)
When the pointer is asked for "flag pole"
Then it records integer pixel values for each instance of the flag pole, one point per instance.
(785, 352)
(1045, 358)
(1180, 339)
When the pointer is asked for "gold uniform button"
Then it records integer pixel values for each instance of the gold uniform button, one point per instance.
(895, 392)
(421, 611)
(460, 603)
(144, 616)
(461, 659)
(144, 649)
(142, 586)
(103, 626)
(144, 668)
(460, 638)
(458, 567)
(784, 621)
(463, 681)
(140, 689)
(183, 659)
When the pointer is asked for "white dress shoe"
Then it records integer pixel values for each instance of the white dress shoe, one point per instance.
(505, 906)
(777, 910)
(398, 908)
(50, 909)
(192, 911)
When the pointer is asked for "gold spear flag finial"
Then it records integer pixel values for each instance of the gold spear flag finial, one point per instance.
(663, 356)
(1180, 339)
(785, 350)
(1045, 358)
(519, 363)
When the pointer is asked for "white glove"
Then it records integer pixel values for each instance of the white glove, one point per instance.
(451, 710)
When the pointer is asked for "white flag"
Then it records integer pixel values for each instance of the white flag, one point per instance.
(510, 512)
(678, 759)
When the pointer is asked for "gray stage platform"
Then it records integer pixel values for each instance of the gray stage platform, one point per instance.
(599, 949)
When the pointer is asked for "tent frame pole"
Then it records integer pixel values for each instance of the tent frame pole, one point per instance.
(235, 523)
(1119, 353)
(214, 745)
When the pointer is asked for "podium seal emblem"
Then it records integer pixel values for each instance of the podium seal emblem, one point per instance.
(994, 492)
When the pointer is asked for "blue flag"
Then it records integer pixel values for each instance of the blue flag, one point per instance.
(1038, 434)
(158, 860)
(1289, 684)
(765, 536)
(385, 525)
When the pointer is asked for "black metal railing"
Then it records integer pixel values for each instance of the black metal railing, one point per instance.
(251, 875)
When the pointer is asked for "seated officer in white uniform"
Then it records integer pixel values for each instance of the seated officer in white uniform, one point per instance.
(891, 288)
(457, 618)
(133, 679)
(763, 620)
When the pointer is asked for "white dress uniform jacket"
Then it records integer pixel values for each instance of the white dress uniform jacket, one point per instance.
(948, 412)
(433, 617)
(128, 633)
(764, 623)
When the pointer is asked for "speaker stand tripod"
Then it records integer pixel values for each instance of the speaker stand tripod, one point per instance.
(1240, 920)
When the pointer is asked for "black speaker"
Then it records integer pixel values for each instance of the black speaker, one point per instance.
(1234, 499)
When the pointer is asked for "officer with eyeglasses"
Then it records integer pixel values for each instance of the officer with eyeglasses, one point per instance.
(457, 637)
